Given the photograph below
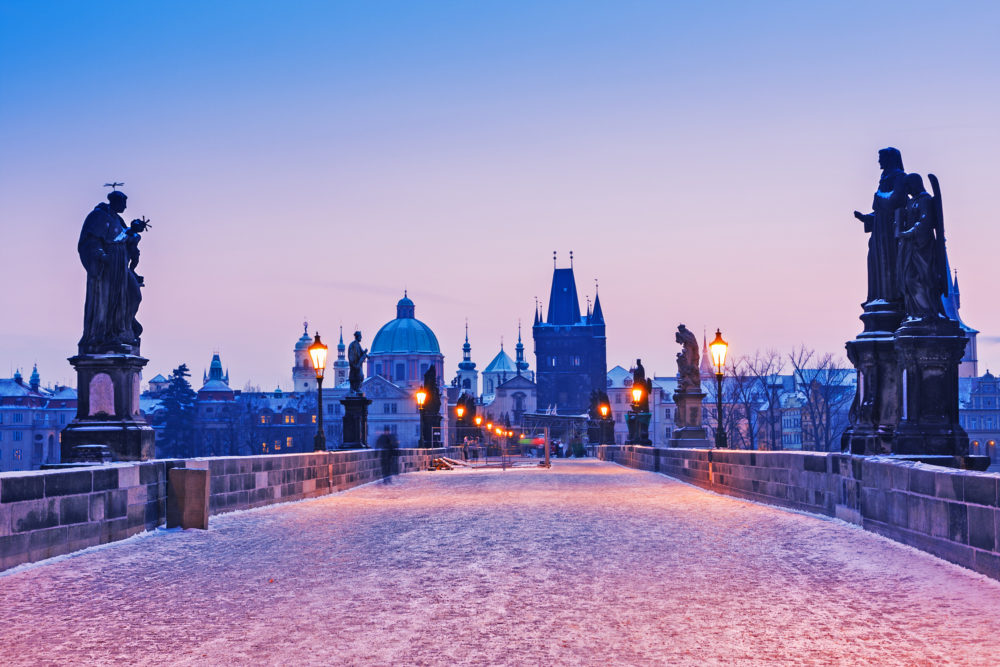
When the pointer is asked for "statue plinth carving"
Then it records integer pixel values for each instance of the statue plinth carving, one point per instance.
(108, 365)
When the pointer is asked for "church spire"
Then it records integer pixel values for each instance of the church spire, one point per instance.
(521, 364)
(597, 317)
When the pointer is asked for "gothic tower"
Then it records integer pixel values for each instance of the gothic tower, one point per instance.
(570, 349)
(341, 369)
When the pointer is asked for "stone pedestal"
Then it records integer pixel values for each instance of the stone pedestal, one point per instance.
(187, 498)
(875, 411)
(928, 357)
(688, 429)
(355, 421)
(638, 428)
(107, 411)
(874, 414)
(428, 424)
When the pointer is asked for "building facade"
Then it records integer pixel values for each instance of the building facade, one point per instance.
(31, 419)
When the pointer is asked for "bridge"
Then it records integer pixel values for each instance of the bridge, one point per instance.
(590, 562)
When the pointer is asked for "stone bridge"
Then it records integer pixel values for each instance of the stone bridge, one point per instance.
(590, 562)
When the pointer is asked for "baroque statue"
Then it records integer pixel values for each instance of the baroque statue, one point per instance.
(880, 224)
(639, 378)
(432, 404)
(688, 362)
(356, 356)
(922, 260)
(109, 252)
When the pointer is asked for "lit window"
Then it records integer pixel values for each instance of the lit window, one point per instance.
(18, 435)
(314, 419)
(263, 448)
(263, 419)
(288, 442)
(289, 419)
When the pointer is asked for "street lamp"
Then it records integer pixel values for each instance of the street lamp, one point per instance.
(605, 409)
(421, 397)
(718, 348)
(459, 413)
(317, 352)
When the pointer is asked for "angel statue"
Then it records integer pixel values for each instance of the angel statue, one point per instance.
(922, 259)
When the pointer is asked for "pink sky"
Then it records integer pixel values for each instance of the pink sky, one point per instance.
(315, 161)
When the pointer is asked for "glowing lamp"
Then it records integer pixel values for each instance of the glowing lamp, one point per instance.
(604, 409)
(478, 420)
(718, 348)
(460, 410)
(421, 396)
(317, 351)
(636, 393)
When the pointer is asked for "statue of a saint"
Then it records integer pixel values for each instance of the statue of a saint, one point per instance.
(880, 223)
(109, 252)
(432, 404)
(688, 359)
(639, 379)
(356, 356)
(922, 262)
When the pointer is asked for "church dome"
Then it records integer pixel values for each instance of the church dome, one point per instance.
(405, 334)
(305, 341)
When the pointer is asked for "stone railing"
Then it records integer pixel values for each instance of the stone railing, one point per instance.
(953, 514)
(45, 513)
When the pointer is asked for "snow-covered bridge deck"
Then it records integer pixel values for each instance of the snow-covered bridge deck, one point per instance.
(589, 563)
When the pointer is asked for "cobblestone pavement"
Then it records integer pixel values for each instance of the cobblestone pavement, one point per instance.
(589, 563)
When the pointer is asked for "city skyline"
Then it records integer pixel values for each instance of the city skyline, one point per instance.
(316, 161)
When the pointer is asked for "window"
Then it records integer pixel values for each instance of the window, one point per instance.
(393, 408)
(314, 419)
(17, 454)
(330, 409)
(18, 418)
(378, 369)
(263, 419)
(289, 419)
(263, 448)
(575, 360)
(618, 398)
(392, 429)
(972, 422)
(62, 418)
(423, 369)
(400, 372)
(288, 442)
(18, 436)
(385, 408)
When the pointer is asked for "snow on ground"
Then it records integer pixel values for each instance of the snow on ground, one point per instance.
(589, 563)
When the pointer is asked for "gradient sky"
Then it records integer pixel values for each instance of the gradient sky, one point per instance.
(316, 158)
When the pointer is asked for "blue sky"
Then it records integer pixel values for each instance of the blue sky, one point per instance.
(701, 159)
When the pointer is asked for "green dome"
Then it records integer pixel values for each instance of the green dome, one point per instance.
(405, 334)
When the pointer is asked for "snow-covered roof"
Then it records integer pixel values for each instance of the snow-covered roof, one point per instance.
(502, 363)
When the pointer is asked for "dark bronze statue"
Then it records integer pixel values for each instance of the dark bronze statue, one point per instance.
(109, 252)
(639, 379)
(356, 356)
(432, 404)
(880, 224)
(688, 362)
(922, 260)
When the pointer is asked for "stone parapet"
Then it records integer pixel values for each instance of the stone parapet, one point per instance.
(46, 513)
(953, 514)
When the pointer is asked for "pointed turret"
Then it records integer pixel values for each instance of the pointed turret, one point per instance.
(705, 367)
(521, 364)
(34, 381)
(341, 368)
(564, 305)
(467, 377)
(597, 317)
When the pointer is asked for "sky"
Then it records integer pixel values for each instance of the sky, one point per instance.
(312, 160)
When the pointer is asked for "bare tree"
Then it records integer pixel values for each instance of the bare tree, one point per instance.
(766, 368)
(743, 393)
(823, 381)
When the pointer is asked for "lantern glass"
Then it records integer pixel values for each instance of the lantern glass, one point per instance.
(604, 410)
(478, 420)
(718, 348)
(317, 352)
(460, 410)
(636, 394)
(421, 396)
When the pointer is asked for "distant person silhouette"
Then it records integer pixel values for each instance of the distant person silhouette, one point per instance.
(387, 446)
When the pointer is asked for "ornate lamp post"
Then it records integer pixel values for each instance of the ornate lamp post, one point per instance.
(719, 348)
(635, 432)
(421, 397)
(317, 352)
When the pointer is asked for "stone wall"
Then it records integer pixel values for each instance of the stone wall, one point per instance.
(45, 513)
(953, 514)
